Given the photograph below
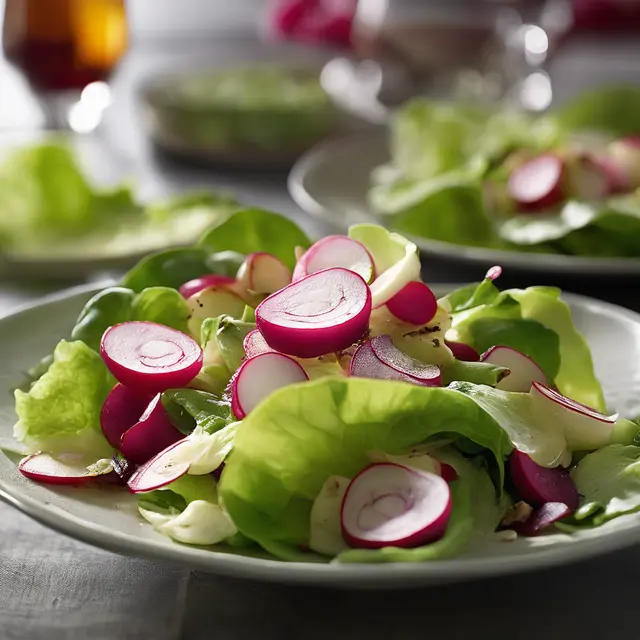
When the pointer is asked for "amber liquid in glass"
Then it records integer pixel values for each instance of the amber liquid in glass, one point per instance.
(64, 44)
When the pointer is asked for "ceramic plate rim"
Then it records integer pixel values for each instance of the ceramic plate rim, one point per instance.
(316, 157)
(332, 575)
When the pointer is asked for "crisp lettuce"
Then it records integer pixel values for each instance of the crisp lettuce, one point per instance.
(162, 305)
(191, 408)
(283, 452)
(61, 411)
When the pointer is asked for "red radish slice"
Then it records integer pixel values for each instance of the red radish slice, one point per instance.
(336, 251)
(162, 469)
(524, 371)
(538, 485)
(211, 303)
(120, 411)
(415, 304)
(150, 357)
(425, 374)
(584, 427)
(68, 470)
(448, 473)
(254, 344)
(389, 505)
(192, 287)
(494, 273)
(365, 364)
(617, 178)
(325, 312)
(625, 153)
(543, 517)
(263, 273)
(589, 180)
(259, 377)
(537, 184)
(151, 434)
(462, 351)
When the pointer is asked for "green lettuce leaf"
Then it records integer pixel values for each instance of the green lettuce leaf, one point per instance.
(191, 408)
(284, 452)
(230, 335)
(162, 305)
(61, 411)
(475, 372)
(252, 230)
(472, 295)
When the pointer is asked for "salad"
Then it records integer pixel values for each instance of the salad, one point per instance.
(567, 182)
(318, 401)
(48, 207)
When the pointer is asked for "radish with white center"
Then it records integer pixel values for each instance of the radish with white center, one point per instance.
(254, 344)
(259, 377)
(152, 433)
(263, 273)
(543, 517)
(538, 485)
(164, 468)
(414, 304)
(120, 411)
(211, 303)
(537, 184)
(192, 287)
(150, 357)
(390, 505)
(336, 251)
(462, 351)
(425, 374)
(584, 428)
(66, 469)
(524, 371)
(626, 154)
(325, 312)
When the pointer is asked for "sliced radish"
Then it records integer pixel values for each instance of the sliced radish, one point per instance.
(150, 357)
(120, 411)
(448, 473)
(259, 377)
(388, 505)
(162, 469)
(325, 312)
(151, 434)
(254, 344)
(494, 273)
(541, 518)
(584, 428)
(192, 287)
(65, 469)
(336, 251)
(263, 273)
(537, 184)
(462, 351)
(538, 485)
(425, 374)
(589, 180)
(618, 180)
(211, 303)
(626, 155)
(414, 304)
(365, 364)
(524, 371)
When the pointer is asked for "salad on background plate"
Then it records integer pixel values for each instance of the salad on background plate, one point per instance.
(564, 183)
(317, 401)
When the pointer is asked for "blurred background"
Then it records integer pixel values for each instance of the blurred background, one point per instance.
(175, 98)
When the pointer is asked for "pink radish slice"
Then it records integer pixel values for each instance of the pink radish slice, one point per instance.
(254, 344)
(120, 411)
(537, 184)
(617, 178)
(336, 251)
(425, 374)
(494, 273)
(263, 273)
(259, 377)
(462, 351)
(584, 427)
(524, 371)
(151, 434)
(150, 357)
(44, 468)
(537, 485)
(541, 518)
(365, 364)
(164, 468)
(192, 287)
(325, 312)
(448, 473)
(414, 303)
(389, 505)
(589, 180)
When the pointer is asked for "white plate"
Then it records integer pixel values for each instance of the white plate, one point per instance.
(107, 518)
(331, 182)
